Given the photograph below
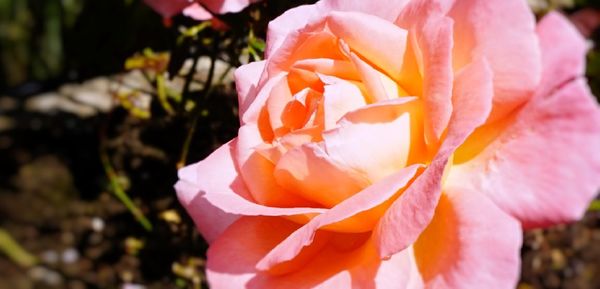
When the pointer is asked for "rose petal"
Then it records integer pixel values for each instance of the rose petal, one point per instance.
(254, 102)
(197, 12)
(412, 212)
(215, 174)
(364, 33)
(339, 98)
(371, 78)
(210, 220)
(247, 78)
(436, 45)
(216, 180)
(297, 18)
(502, 31)
(563, 52)
(226, 6)
(470, 243)
(310, 173)
(356, 206)
(331, 267)
(376, 140)
(338, 68)
(545, 167)
(563, 60)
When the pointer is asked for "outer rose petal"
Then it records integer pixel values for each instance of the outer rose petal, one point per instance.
(213, 193)
(294, 19)
(502, 31)
(545, 167)
(563, 52)
(231, 263)
(469, 244)
(247, 78)
(354, 206)
(412, 212)
(215, 173)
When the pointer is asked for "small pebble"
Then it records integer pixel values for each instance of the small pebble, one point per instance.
(50, 257)
(70, 256)
(132, 286)
(97, 224)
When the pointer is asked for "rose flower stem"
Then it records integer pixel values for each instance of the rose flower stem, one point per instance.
(122, 195)
(14, 251)
(201, 101)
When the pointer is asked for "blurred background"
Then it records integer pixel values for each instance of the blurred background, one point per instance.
(102, 100)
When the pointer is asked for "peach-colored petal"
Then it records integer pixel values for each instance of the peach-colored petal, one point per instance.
(412, 212)
(212, 192)
(470, 244)
(502, 31)
(247, 78)
(309, 172)
(231, 263)
(371, 78)
(364, 34)
(253, 103)
(385, 9)
(339, 68)
(435, 41)
(340, 97)
(312, 42)
(348, 215)
(259, 176)
(375, 140)
(276, 104)
(429, 62)
(297, 18)
(545, 167)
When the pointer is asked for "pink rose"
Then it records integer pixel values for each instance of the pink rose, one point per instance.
(191, 8)
(398, 144)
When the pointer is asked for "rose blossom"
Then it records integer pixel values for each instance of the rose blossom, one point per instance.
(398, 144)
(191, 8)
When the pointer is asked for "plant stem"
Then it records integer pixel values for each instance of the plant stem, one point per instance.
(14, 251)
(201, 101)
(121, 194)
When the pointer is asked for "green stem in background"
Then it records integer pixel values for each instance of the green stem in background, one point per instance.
(118, 190)
(14, 251)
(594, 206)
(206, 90)
(185, 92)
(186, 144)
